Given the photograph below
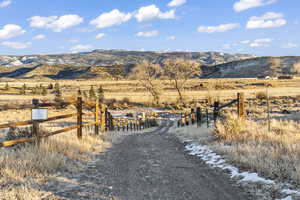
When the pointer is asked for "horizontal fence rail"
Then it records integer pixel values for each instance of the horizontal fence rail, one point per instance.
(102, 120)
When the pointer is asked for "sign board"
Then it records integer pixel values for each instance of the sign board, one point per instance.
(39, 114)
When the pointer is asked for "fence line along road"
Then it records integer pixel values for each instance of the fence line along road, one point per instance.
(103, 121)
(196, 116)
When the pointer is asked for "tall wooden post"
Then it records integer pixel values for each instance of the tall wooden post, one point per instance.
(35, 125)
(103, 118)
(207, 118)
(216, 112)
(241, 105)
(182, 117)
(97, 117)
(193, 116)
(198, 116)
(79, 118)
(268, 108)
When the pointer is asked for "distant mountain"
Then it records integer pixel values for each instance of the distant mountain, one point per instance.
(117, 57)
(254, 67)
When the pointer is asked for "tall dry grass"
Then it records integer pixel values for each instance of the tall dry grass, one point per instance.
(274, 154)
(22, 169)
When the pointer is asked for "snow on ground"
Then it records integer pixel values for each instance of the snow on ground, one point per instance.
(216, 161)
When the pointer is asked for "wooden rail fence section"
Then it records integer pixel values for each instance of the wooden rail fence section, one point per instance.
(196, 116)
(103, 120)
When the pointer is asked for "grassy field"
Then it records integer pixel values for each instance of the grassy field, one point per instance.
(194, 90)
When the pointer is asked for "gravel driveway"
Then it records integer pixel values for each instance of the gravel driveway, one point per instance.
(150, 166)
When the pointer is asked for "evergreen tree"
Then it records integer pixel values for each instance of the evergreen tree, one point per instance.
(56, 86)
(38, 90)
(33, 91)
(79, 93)
(6, 87)
(50, 86)
(23, 89)
(58, 92)
(44, 91)
(100, 93)
(92, 93)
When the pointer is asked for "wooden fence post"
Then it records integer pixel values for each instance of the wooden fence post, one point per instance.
(79, 118)
(97, 117)
(182, 119)
(193, 116)
(35, 125)
(216, 112)
(268, 109)
(198, 116)
(241, 105)
(103, 118)
(207, 118)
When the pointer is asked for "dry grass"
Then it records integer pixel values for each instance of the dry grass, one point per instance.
(23, 169)
(249, 145)
(201, 134)
(274, 154)
(194, 89)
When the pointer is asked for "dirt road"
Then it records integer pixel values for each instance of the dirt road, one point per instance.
(150, 166)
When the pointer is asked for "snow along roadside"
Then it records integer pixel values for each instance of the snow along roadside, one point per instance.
(214, 160)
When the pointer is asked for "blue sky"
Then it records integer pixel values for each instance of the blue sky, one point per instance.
(260, 27)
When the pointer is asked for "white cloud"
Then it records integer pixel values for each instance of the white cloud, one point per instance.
(100, 35)
(5, 3)
(11, 30)
(268, 20)
(39, 37)
(290, 45)
(260, 42)
(148, 34)
(55, 23)
(220, 28)
(150, 12)
(242, 5)
(171, 37)
(175, 3)
(80, 47)
(16, 45)
(114, 17)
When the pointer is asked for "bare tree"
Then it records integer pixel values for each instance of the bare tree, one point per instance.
(179, 71)
(147, 73)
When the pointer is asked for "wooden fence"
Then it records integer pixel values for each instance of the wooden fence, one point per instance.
(197, 116)
(103, 121)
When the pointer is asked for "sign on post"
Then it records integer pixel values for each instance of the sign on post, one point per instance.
(39, 114)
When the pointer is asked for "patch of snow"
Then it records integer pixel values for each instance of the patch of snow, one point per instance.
(216, 161)
(253, 177)
(288, 191)
(286, 198)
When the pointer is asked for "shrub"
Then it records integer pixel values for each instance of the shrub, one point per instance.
(261, 95)
(125, 100)
(16, 133)
(6, 87)
(50, 86)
